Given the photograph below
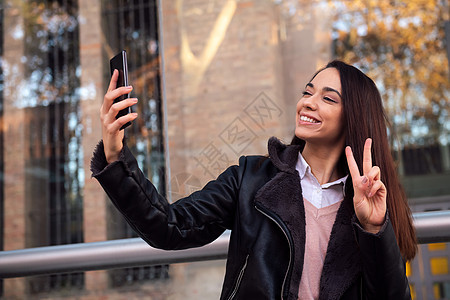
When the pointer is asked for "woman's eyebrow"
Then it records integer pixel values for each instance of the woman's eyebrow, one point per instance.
(328, 89)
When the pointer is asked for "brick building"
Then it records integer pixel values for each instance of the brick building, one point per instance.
(215, 79)
(231, 80)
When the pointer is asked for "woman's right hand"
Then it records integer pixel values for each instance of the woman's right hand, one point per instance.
(111, 133)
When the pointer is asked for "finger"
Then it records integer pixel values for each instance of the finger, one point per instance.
(110, 96)
(110, 116)
(113, 81)
(118, 106)
(367, 156)
(376, 186)
(118, 123)
(352, 166)
(374, 173)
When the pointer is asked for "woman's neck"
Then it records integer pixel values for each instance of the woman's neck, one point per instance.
(323, 162)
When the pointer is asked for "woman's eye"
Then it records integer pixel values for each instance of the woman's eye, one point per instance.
(306, 93)
(329, 99)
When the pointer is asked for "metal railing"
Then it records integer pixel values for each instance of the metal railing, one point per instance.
(431, 227)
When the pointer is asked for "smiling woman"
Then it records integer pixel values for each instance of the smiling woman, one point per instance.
(342, 236)
(362, 117)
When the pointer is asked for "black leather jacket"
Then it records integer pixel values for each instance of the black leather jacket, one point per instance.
(260, 201)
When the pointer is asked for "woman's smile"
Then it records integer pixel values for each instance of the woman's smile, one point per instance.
(304, 119)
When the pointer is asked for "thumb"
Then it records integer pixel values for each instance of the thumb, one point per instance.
(362, 186)
(364, 181)
(360, 191)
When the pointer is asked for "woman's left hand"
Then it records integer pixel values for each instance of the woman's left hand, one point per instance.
(369, 198)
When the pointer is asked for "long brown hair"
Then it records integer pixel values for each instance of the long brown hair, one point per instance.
(364, 117)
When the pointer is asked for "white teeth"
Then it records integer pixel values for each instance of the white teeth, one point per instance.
(306, 119)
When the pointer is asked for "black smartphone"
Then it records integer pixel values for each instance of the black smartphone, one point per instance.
(119, 62)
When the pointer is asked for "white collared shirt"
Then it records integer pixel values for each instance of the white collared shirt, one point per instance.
(319, 195)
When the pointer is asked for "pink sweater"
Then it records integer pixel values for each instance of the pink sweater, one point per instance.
(319, 222)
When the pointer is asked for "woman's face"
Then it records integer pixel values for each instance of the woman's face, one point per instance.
(319, 112)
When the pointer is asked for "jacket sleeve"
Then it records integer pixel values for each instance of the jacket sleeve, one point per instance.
(384, 271)
(189, 222)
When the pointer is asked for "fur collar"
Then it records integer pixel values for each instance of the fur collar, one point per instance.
(284, 157)
(282, 199)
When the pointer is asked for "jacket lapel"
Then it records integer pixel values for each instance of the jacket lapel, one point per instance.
(342, 266)
(281, 198)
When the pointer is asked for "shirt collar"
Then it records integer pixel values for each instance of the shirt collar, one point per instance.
(303, 168)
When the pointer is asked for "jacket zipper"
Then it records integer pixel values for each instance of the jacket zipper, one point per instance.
(239, 279)
(361, 289)
(290, 247)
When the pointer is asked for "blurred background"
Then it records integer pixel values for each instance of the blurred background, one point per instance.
(215, 79)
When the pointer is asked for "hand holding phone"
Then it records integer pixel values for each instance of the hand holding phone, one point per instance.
(119, 62)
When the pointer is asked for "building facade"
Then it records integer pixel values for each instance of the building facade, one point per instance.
(215, 80)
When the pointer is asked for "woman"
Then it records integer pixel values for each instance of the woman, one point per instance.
(305, 223)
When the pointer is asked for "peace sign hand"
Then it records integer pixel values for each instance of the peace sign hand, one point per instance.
(369, 198)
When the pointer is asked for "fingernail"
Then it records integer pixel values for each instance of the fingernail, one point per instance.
(365, 179)
(129, 87)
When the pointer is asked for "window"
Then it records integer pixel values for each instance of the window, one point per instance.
(46, 158)
(132, 26)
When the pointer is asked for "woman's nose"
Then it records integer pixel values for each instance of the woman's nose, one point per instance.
(310, 102)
